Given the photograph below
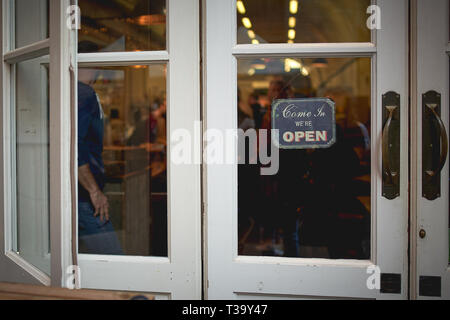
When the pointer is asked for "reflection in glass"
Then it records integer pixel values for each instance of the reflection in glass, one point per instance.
(124, 130)
(115, 25)
(31, 23)
(318, 204)
(306, 21)
(31, 152)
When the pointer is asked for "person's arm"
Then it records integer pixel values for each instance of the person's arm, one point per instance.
(99, 200)
(85, 176)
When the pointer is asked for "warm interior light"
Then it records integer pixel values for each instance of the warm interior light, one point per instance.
(260, 85)
(150, 19)
(240, 7)
(251, 72)
(291, 34)
(255, 41)
(304, 72)
(246, 22)
(292, 22)
(251, 34)
(291, 64)
(293, 6)
(287, 67)
(259, 66)
(290, 41)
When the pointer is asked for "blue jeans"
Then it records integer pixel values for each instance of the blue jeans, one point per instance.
(95, 236)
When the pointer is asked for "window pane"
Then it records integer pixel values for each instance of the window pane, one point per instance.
(31, 21)
(318, 203)
(31, 152)
(306, 21)
(137, 25)
(122, 141)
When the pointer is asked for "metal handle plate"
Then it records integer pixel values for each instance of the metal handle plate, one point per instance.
(391, 145)
(434, 145)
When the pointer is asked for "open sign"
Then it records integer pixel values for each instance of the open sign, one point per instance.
(304, 123)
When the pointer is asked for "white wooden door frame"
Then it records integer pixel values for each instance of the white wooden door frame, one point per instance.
(430, 65)
(177, 276)
(230, 276)
(14, 267)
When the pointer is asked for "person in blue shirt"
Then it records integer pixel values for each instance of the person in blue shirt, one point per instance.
(96, 233)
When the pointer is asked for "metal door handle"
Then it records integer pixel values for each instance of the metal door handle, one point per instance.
(444, 141)
(386, 158)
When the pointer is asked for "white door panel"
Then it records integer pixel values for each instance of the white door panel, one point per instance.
(177, 275)
(35, 158)
(231, 275)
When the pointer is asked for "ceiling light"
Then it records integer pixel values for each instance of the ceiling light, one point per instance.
(251, 72)
(149, 19)
(304, 72)
(255, 41)
(291, 64)
(240, 7)
(260, 84)
(292, 22)
(293, 6)
(258, 64)
(251, 34)
(246, 22)
(291, 34)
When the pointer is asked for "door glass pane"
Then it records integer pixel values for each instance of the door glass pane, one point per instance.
(31, 152)
(303, 21)
(136, 25)
(31, 21)
(122, 144)
(318, 204)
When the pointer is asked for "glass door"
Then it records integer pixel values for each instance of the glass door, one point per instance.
(430, 235)
(35, 156)
(308, 196)
(139, 212)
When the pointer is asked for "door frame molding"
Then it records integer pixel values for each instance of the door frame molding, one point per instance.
(429, 56)
(414, 150)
